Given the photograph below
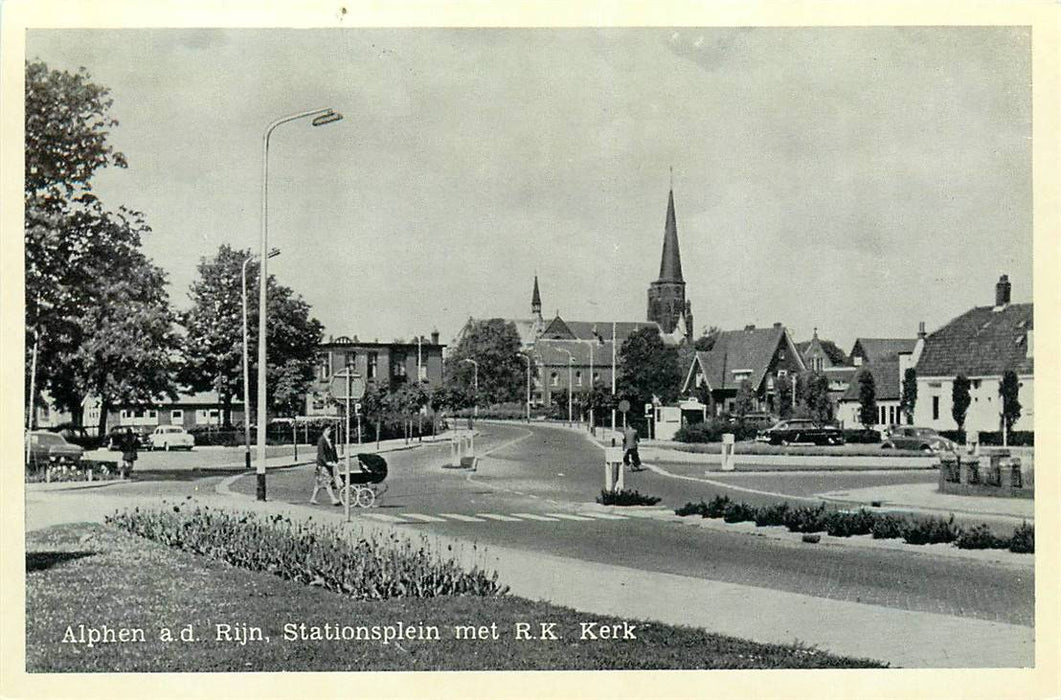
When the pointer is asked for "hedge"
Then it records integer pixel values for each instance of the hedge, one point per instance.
(1016, 438)
(713, 430)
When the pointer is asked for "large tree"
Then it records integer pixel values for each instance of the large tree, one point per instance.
(96, 313)
(214, 335)
(813, 396)
(648, 368)
(744, 402)
(493, 344)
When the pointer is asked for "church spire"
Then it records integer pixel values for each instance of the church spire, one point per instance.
(536, 299)
(670, 266)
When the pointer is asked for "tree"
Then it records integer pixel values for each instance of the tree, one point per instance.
(784, 396)
(648, 368)
(80, 256)
(494, 345)
(960, 400)
(909, 398)
(706, 342)
(867, 399)
(1009, 390)
(744, 403)
(214, 338)
(813, 396)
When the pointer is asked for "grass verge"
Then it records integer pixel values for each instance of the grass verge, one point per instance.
(97, 576)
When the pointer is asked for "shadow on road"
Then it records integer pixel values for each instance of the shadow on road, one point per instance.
(40, 561)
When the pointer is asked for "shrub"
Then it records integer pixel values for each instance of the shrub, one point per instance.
(738, 513)
(771, 515)
(626, 497)
(845, 524)
(887, 526)
(980, 537)
(931, 530)
(369, 567)
(806, 519)
(1016, 438)
(716, 507)
(691, 508)
(713, 430)
(1023, 540)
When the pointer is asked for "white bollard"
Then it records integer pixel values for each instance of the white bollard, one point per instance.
(613, 470)
(728, 447)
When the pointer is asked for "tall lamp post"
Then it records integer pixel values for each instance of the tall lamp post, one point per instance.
(570, 370)
(320, 118)
(475, 383)
(592, 384)
(246, 362)
(526, 357)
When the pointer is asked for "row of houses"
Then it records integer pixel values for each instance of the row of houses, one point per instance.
(981, 344)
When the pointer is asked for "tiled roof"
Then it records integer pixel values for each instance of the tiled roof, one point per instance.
(828, 348)
(551, 352)
(750, 349)
(980, 342)
(886, 379)
(588, 330)
(882, 349)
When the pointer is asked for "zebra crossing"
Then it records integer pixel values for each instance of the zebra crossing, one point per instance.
(420, 518)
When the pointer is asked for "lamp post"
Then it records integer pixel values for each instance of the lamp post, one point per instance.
(526, 357)
(246, 362)
(475, 383)
(320, 118)
(592, 383)
(570, 370)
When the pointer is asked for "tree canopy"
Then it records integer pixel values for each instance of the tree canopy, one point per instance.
(493, 344)
(648, 368)
(867, 399)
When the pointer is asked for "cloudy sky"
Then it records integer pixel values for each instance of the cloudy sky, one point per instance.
(857, 180)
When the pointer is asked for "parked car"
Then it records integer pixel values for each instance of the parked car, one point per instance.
(78, 435)
(171, 437)
(117, 434)
(908, 437)
(50, 448)
(801, 430)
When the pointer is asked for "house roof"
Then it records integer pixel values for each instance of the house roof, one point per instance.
(886, 381)
(882, 349)
(558, 328)
(750, 349)
(827, 347)
(981, 342)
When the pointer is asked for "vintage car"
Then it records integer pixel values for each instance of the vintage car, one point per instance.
(171, 437)
(795, 430)
(50, 448)
(116, 436)
(908, 437)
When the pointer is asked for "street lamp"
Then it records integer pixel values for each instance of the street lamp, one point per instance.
(320, 117)
(475, 382)
(570, 369)
(526, 357)
(246, 361)
(592, 382)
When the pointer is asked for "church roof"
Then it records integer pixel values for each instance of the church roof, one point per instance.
(559, 329)
(670, 266)
(536, 298)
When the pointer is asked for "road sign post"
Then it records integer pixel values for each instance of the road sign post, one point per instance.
(352, 387)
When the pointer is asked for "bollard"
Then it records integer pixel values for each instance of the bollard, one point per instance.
(613, 469)
(728, 448)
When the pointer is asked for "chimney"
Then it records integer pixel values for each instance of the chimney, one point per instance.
(1002, 289)
(777, 324)
(434, 337)
(750, 327)
(921, 329)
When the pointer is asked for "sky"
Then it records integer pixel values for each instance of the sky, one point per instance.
(853, 180)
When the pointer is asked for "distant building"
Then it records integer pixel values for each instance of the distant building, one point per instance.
(867, 351)
(981, 344)
(887, 378)
(759, 355)
(667, 305)
(386, 366)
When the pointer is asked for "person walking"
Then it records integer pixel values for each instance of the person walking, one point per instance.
(129, 452)
(327, 461)
(630, 455)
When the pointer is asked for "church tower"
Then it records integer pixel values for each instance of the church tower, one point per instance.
(537, 321)
(666, 296)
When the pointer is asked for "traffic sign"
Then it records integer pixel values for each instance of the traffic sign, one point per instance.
(341, 382)
(624, 406)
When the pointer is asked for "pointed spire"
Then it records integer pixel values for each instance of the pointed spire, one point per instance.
(536, 298)
(670, 266)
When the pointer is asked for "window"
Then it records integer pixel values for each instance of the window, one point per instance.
(176, 416)
(398, 365)
(554, 379)
(324, 367)
(578, 379)
(349, 359)
(373, 364)
(596, 377)
(935, 408)
(818, 364)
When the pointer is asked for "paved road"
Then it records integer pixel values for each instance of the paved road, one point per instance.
(532, 492)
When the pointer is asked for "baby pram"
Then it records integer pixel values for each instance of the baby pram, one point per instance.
(366, 483)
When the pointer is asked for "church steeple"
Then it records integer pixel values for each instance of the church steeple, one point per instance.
(666, 296)
(536, 299)
(670, 266)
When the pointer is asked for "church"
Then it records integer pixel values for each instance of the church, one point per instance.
(584, 354)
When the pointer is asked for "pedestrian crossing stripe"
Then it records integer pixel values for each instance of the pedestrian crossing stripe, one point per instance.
(532, 516)
(384, 518)
(501, 518)
(568, 516)
(462, 518)
(424, 518)
(605, 516)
